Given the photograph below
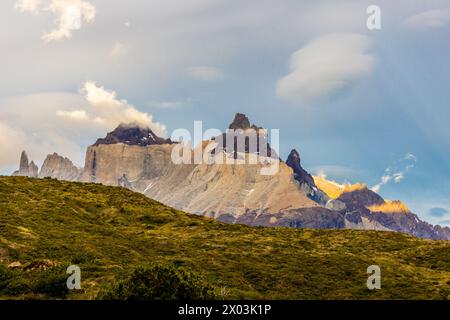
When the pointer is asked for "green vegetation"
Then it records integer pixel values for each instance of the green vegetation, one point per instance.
(159, 282)
(121, 239)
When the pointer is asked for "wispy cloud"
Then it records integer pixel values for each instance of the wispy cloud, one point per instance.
(32, 6)
(438, 212)
(69, 15)
(337, 172)
(445, 223)
(204, 73)
(437, 18)
(325, 66)
(118, 50)
(168, 104)
(396, 172)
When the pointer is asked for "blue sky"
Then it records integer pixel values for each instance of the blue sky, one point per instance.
(352, 101)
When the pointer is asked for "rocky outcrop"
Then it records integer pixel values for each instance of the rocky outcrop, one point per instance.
(58, 167)
(241, 137)
(365, 209)
(235, 193)
(23, 165)
(124, 183)
(33, 170)
(132, 134)
(241, 122)
(307, 184)
(26, 169)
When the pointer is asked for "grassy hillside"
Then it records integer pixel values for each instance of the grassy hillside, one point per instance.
(107, 231)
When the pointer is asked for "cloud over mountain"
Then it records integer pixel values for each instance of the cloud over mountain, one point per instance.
(63, 122)
(105, 109)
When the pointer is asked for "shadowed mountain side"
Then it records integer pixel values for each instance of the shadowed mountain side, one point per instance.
(366, 209)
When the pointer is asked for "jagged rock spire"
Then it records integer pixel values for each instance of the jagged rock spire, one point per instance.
(26, 168)
(240, 122)
(300, 174)
(23, 165)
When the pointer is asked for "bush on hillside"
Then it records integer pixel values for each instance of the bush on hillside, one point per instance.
(159, 282)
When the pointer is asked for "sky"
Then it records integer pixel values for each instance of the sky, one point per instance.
(358, 104)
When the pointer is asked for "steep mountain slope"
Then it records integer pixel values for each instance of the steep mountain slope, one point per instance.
(366, 209)
(135, 158)
(231, 193)
(46, 224)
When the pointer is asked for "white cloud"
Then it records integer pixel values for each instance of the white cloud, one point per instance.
(399, 176)
(70, 14)
(63, 122)
(429, 19)
(10, 142)
(321, 174)
(168, 104)
(76, 114)
(337, 172)
(106, 109)
(326, 66)
(118, 50)
(204, 73)
(31, 6)
(397, 171)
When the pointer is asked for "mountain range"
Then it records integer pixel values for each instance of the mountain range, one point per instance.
(136, 158)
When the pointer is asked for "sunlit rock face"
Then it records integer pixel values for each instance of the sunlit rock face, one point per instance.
(58, 167)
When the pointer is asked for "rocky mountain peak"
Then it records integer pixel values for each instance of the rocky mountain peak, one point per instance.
(305, 180)
(132, 134)
(33, 170)
(59, 167)
(26, 168)
(300, 174)
(242, 122)
(23, 165)
(294, 158)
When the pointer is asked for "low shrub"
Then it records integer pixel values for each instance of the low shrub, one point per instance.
(159, 282)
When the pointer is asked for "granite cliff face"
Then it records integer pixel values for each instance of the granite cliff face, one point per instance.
(232, 193)
(55, 166)
(58, 167)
